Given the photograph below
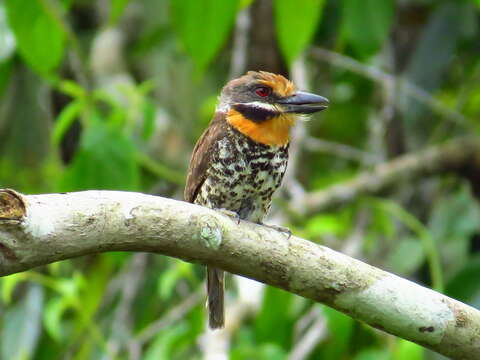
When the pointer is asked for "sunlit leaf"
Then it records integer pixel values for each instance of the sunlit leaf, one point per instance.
(39, 38)
(117, 8)
(65, 119)
(407, 350)
(295, 23)
(324, 224)
(366, 24)
(8, 286)
(71, 89)
(373, 354)
(52, 316)
(203, 26)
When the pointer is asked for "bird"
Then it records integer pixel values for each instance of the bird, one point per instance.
(240, 159)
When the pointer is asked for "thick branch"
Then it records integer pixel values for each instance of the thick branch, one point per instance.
(462, 154)
(40, 229)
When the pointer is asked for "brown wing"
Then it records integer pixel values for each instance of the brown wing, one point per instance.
(200, 159)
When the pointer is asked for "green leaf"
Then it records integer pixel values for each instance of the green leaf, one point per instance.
(340, 327)
(149, 112)
(266, 351)
(65, 119)
(366, 24)
(274, 314)
(8, 286)
(40, 39)
(203, 26)
(52, 316)
(373, 354)
(5, 71)
(301, 15)
(455, 215)
(163, 347)
(167, 282)
(407, 350)
(116, 10)
(106, 160)
(324, 224)
(464, 285)
(406, 256)
(72, 89)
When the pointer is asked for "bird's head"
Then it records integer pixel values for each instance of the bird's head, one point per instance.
(264, 106)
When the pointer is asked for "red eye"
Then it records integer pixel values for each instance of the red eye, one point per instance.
(263, 91)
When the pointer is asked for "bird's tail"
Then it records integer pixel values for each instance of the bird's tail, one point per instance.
(215, 293)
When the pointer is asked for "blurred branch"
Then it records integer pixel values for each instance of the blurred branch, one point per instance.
(169, 318)
(378, 75)
(40, 229)
(340, 150)
(456, 155)
(160, 170)
(240, 44)
(121, 328)
(316, 333)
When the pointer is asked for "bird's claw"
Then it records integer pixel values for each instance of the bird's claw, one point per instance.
(230, 214)
(282, 229)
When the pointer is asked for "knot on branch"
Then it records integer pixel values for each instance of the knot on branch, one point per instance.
(12, 205)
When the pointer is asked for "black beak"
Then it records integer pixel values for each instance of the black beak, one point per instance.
(304, 103)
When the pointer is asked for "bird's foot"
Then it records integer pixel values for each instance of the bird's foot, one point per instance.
(282, 229)
(231, 214)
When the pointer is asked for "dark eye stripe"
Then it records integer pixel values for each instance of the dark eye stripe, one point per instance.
(255, 113)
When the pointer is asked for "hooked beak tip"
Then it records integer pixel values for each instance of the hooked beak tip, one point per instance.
(304, 103)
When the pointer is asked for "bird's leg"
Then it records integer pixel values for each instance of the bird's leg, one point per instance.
(282, 229)
(230, 214)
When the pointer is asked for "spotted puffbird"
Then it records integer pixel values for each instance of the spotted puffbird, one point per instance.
(240, 159)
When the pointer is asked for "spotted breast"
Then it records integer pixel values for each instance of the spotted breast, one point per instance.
(243, 175)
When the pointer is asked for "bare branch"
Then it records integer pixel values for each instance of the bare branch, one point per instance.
(40, 229)
(452, 156)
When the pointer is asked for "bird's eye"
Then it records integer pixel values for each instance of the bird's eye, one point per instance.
(263, 91)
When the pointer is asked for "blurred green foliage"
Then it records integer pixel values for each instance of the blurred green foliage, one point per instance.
(113, 94)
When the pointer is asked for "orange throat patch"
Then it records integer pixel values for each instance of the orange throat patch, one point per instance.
(273, 132)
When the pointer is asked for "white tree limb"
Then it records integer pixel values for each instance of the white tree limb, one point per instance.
(40, 229)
